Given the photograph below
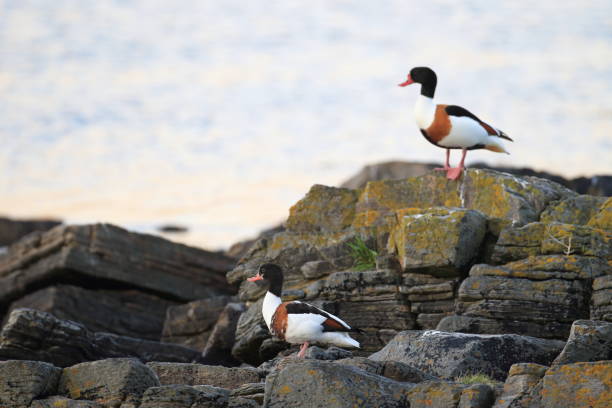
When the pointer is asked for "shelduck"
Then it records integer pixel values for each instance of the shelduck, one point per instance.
(451, 126)
(298, 322)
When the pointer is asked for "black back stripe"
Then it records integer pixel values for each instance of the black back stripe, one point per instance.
(304, 308)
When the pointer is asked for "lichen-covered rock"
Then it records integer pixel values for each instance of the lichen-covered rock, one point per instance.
(482, 325)
(185, 396)
(394, 370)
(325, 384)
(22, 381)
(200, 374)
(252, 391)
(323, 209)
(63, 402)
(450, 355)
(438, 241)
(540, 239)
(603, 218)
(109, 382)
(578, 385)
(522, 379)
(435, 394)
(190, 324)
(573, 210)
(30, 334)
(589, 340)
(497, 195)
(477, 396)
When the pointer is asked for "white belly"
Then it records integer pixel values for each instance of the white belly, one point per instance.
(465, 132)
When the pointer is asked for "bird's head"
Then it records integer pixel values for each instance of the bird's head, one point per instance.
(421, 75)
(270, 274)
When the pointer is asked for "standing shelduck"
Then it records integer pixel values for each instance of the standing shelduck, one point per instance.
(297, 322)
(450, 126)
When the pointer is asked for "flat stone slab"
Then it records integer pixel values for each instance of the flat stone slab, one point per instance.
(22, 381)
(109, 255)
(200, 374)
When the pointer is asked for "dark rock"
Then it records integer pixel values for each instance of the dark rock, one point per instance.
(450, 355)
(185, 396)
(601, 305)
(199, 374)
(30, 334)
(253, 392)
(482, 325)
(589, 340)
(172, 229)
(251, 331)
(325, 384)
(271, 347)
(22, 381)
(241, 402)
(106, 256)
(331, 353)
(109, 382)
(218, 348)
(577, 385)
(477, 396)
(191, 324)
(522, 380)
(13, 230)
(63, 402)
(393, 370)
(125, 312)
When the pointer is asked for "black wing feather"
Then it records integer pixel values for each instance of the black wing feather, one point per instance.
(300, 307)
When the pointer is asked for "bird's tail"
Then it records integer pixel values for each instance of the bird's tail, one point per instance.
(495, 145)
(504, 136)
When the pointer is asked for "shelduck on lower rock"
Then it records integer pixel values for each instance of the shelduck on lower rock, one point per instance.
(298, 322)
(451, 126)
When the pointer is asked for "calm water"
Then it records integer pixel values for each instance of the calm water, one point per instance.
(220, 115)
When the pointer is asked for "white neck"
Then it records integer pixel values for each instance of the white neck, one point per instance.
(424, 111)
(270, 304)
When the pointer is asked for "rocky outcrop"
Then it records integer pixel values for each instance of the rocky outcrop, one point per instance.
(105, 256)
(191, 324)
(325, 384)
(13, 230)
(125, 312)
(219, 346)
(451, 355)
(522, 386)
(589, 340)
(30, 334)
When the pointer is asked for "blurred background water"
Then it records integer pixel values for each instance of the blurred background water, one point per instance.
(220, 115)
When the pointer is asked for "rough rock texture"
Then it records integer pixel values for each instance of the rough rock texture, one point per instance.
(574, 210)
(125, 312)
(109, 382)
(599, 185)
(30, 334)
(63, 402)
(393, 370)
(218, 348)
(477, 396)
(538, 296)
(578, 385)
(199, 374)
(435, 394)
(588, 341)
(23, 381)
(325, 384)
(251, 331)
(13, 230)
(521, 381)
(185, 396)
(450, 355)
(439, 241)
(601, 305)
(108, 256)
(191, 324)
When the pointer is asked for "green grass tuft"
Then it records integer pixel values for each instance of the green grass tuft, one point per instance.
(478, 378)
(364, 258)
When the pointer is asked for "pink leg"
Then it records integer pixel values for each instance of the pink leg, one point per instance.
(446, 165)
(303, 350)
(455, 172)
